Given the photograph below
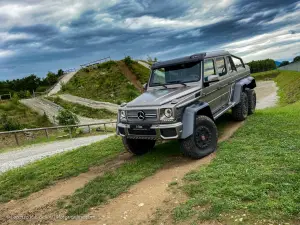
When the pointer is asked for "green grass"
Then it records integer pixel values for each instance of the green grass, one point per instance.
(22, 115)
(141, 72)
(21, 182)
(267, 75)
(105, 83)
(84, 110)
(256, 174)
(111, 184)
(289, 86)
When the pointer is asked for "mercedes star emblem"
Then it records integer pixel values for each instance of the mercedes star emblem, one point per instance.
(141, 115)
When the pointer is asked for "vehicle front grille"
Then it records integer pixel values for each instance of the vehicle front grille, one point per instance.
(150, 115)
(142, 132)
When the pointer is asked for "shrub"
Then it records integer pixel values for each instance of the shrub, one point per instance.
(66, 117)
(128, 61)
(8, 124)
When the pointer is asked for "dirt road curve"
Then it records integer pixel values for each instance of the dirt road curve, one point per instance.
(90, 103)
(25, 155)
(266, 92)
(64, 80)
(51, 109)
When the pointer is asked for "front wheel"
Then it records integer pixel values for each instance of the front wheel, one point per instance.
(203, 141)
(251, 101)
(138, 146)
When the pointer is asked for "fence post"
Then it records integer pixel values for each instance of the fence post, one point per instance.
(16, 137)
(46, 132)
(70, 132)
(89, 128)
(105, 128)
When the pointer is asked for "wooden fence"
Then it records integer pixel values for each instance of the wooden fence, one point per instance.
(69, 128)
(96, 62)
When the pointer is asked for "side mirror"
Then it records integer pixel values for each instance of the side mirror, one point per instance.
(145, 87)
(211, 79)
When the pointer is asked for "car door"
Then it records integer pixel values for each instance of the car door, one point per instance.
(211, 92)
(224, 80)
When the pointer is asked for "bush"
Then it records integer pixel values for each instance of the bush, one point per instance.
(8, 124)
(66, 117)
(128, 61)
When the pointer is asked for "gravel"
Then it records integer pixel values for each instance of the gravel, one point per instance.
(25, 155)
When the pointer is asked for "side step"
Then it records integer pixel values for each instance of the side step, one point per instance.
(223, 110)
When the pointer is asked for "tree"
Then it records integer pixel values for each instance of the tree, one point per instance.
(284, 63)
(51, 78)
(128, 61)
(297, 59)
(262, 65)
(60, 72)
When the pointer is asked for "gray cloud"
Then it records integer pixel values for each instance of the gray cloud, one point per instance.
(49, 37)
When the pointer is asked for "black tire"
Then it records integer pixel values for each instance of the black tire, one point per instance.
(138, 146)
(240, 111)
(203, 141)
(251, 101)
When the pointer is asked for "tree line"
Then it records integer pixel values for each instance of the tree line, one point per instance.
(285, 63)
(25, 86)
(262, 65)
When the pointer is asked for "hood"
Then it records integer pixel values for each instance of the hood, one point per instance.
(161, 96)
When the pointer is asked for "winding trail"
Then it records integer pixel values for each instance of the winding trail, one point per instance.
(144, 64)
(63, 80)
(90, 103)
(51, 109)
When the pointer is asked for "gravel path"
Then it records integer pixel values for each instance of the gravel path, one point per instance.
(51, 109)
(266, 92)
(25, 155)
(144, 64)
(64, 80)
(90, 103)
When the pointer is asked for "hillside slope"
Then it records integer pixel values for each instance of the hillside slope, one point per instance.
(108, 82)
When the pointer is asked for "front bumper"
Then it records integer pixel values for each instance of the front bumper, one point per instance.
(157, 131)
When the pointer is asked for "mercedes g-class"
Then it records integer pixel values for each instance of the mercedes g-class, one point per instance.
(182, 100)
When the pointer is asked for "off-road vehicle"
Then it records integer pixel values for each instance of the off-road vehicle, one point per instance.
(182, 100)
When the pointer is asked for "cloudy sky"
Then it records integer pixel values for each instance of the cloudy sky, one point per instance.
(37, 36)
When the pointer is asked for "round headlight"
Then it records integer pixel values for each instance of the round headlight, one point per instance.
(123, 115)
(168, 113)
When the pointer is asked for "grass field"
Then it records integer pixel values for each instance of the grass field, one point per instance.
(84, 110)
(19, 116)
(267, 75)
(255, 177)
(105, 83)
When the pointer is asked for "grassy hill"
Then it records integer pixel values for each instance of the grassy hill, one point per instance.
(107, 82)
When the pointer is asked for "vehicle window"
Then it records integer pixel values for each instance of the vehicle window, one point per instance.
(238, 63)
(181, 73)
(209, 68)
(230, 65)
(221, 67)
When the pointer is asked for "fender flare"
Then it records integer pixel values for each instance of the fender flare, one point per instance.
(189, 117)
(239, 86)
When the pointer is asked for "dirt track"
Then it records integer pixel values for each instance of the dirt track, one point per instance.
(137, 206)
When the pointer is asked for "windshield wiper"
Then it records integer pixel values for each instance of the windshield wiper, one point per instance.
(177, 82)
(158, 84)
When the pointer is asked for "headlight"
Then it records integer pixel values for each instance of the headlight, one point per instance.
(122, 114)
(168, 113)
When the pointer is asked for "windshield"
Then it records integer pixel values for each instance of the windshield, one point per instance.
(182, 73)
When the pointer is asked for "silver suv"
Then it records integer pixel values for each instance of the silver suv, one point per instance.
(182, 100)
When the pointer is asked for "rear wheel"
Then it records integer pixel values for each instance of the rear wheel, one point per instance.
(240, 111)
(138, 146)
(251, 101)
(203, 141)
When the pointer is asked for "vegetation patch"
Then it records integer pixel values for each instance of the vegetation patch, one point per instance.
(289, 86)
(21, 182)
(84, 110)
(103, 83)
(141, 72)
(14, 116)
(267, 75)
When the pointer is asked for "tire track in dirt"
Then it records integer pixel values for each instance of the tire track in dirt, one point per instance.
(130, 76)
(138, 204)
(43, 203)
